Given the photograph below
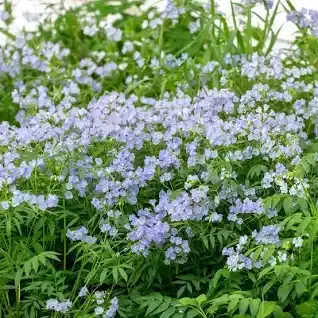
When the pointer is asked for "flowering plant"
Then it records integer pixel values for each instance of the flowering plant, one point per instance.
(159, 163)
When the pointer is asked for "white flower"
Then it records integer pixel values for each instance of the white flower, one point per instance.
(99, 310)
(100, 301)
(298, 242)
(113, 34)
(90, 30)
(282, 257)
(194, 26)
(272, 261)
(100, 295)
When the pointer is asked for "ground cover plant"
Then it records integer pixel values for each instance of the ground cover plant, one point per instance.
(159, 163)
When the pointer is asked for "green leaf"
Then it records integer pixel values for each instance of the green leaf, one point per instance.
(32, 313)
(27, 267)
(145, 302)
(254, 306)
(307, 309)
(189, 287)
(288, 204)
(103, 275)
(178, 315)
(181, 291)
(303, 204)
(17, 224)
(168, 313)
(186, 301)
(264, 272)
(192, 313)
(300, 289)
(157, 296)
(283, 292)
(256, 171)
(268, 286)
(251, 276)
(8, 226)
(275, 200)
(212, 241)
(244, 305)
(18, 277)
(232, 305)
(51, 226)
(201, 299)
(289, 277)
(161, 308)
(51, 255)
(257, 253)
(206, 242)
(42, 259)
(115, 274)
(226, 273)
(266, 309)
(175, 194)
(35, 264)
(216, 278)
(153, 306)
(278, 313)
(123, 274)
(304, 225)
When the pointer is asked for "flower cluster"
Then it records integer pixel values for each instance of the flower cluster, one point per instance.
(305, 18)
(267, 235)
(100, 299)
(189, 133)
(58, 306)
(81, 235)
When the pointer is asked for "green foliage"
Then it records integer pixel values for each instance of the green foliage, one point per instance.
(38, 262)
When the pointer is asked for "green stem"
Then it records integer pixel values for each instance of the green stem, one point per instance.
(18, 297)
(249, 31)
(311, 262)
(212, 2)
(161, 39)
(65, 247)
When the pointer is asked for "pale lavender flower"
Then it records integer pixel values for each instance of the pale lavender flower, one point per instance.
(267, 235)
(5, 205)
(55, 305)
(81, 234)
(111, 312)
(83, 292)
